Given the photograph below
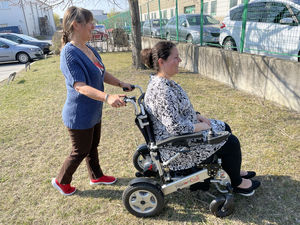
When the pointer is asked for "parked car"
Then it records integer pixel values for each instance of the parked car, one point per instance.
(99, 35)
(152, 28)
(189, 28)
(12, 51)
(100, 32)
(25, 39)
(272, 28)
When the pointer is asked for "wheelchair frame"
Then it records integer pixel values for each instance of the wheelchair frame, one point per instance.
(144, 196)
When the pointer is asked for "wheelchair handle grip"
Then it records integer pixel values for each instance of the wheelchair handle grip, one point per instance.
(127, 89)
(129, 99)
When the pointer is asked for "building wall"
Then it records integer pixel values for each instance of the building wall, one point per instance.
(12, 14)
(99, 15)
(222, 7)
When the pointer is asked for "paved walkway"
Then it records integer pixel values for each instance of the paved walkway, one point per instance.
(7, 68)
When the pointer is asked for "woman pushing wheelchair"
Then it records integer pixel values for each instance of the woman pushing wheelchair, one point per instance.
(172, 113)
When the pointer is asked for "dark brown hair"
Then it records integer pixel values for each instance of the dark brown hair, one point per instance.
(161, 50)
(73, 13)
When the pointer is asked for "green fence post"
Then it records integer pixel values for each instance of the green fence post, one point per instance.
(201, 24)
(244, 25)
(149, 16)
(177, 36)
(160, 19)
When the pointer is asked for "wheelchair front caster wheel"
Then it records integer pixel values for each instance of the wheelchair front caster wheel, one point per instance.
(143, 199)
(222, 206)
(139, 160)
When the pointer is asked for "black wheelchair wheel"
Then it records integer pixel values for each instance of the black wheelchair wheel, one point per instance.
(222, 206)
(143, 199)
(139, 160)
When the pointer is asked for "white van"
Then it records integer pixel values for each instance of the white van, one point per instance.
(272, 28)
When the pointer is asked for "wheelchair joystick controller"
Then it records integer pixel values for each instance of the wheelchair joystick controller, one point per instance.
(211, 133)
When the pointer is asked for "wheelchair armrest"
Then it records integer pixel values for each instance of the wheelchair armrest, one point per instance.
(217, 138)
(179, 138)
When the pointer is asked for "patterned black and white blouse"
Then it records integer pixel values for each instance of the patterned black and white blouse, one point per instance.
(172, 113)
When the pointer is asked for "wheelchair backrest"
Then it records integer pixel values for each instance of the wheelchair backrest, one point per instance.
(144, 123)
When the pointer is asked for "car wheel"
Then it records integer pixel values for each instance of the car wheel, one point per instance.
(189, 39)
(23, 57)
(229, 44)
(299, 56)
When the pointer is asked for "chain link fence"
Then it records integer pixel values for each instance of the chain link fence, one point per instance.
(257, 27)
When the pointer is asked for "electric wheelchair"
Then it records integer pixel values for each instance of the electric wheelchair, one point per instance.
(144, 196)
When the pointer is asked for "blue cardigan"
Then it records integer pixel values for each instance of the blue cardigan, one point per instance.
(80, 111)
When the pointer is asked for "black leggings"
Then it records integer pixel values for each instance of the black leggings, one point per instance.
(231, 156)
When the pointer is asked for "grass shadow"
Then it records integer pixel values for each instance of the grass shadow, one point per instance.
(100, 193)
(21, 81)
(268, 205)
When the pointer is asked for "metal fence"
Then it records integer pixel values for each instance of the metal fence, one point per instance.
(256, 27)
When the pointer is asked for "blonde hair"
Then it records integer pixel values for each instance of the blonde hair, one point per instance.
(73, 13)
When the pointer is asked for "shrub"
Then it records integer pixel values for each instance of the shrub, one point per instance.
(56, 42)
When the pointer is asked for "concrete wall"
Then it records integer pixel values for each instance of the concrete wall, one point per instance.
(270, 78)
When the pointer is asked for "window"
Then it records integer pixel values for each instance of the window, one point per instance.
(275, 12)
(2, 44)
(232, 3)
(210, 20)
(165, 14)
(296, 13)
(172, 12)
(213, 8)
(172, 21)
(11, 37)
(256, 12)
(153, 15)
(4, 5)
(194, 20)
(205, 8)
(189, 9)
(181, 20)
(237, 13)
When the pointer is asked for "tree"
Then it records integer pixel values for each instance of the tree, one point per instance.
(112, 13)
(56, 20)
(136, 34)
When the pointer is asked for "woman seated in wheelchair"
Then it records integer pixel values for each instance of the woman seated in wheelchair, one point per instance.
(172, 113)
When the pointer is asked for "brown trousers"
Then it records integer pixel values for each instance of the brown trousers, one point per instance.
(84, 145)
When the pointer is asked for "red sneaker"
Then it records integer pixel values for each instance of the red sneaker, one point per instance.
(103, 180)
(64, 189)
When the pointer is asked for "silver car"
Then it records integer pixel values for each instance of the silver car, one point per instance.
(12, 51)
(189, 29)
(152, 28)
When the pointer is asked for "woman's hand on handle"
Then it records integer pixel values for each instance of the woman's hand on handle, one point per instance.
(126, 87)
(116, 100)
(203, 119)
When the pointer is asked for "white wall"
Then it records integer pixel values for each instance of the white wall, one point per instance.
(13, 15)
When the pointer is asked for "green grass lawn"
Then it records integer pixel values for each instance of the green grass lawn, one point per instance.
(34, 144)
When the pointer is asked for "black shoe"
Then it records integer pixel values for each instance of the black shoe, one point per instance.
(247, 191)
(250, 174)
